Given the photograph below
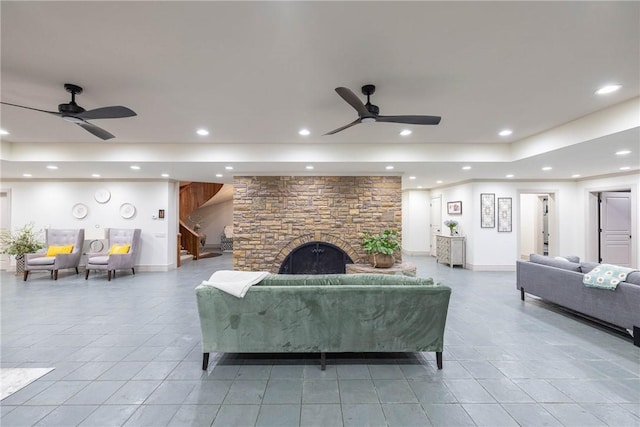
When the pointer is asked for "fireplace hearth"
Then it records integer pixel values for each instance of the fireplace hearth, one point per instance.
(315, 258)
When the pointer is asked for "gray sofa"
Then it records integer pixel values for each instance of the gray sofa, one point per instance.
(560, 281)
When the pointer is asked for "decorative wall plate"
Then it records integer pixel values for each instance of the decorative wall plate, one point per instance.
(79, 210)
(96, 245)
(127, 210)
(102, 195)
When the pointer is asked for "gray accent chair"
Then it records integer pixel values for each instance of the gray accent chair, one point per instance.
(56, 237)
(113, 262)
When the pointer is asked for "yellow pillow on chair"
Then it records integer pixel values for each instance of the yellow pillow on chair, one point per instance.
(55, 250)
(119, 249)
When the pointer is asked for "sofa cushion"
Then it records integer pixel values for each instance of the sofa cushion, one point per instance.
(99, 260)
(552, 262)
(587, 266)
(570, 258)
(633, 278)
(45, 260)
(55, 250)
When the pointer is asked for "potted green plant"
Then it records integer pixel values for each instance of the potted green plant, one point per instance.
(24, 240)
(381, 247)
(452, 224)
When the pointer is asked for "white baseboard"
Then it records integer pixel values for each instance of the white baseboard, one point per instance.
(491, 267)
(155, 268)
(404, 251)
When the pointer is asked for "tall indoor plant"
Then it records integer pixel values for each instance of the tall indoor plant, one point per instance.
(381, 247)
(24, 240)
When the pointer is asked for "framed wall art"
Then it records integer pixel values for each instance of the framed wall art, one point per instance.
(454, 208)
(504, 214)
(487, 210)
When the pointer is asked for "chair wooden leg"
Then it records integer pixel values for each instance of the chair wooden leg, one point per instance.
(77, 272)
(133, 270)
(86, 274)
(26, 274)
(108, 275)
(55, 274)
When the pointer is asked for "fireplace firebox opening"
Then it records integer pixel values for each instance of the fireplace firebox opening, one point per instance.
(315, 258)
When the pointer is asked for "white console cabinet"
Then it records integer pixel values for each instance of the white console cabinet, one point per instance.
(451, 250)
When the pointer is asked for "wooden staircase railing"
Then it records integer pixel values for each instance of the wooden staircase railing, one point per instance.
(189, 240)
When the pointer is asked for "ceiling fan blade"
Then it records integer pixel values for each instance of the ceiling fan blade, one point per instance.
(410, 120)
(114, 112)
(95, 130)
(353, 100)
(355, 122)
(29, 108)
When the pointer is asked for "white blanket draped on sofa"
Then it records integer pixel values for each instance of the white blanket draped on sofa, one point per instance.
(236, 283)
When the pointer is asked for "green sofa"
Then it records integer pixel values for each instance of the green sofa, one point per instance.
(326, 313)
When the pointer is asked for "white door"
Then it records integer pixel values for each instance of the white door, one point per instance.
(615, 228)
(436, 220)
(5, 222)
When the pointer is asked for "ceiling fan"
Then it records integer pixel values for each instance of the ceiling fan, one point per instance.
(368, 113)
(74, 113)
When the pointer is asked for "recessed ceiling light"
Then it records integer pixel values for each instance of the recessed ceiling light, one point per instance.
(202, 132)
(623, 152)
(27, 175)
(509, 175)
(229, 168)
(419, 187)
(218, 175)
(95, 175)
(309, 167)
(3, 132)
(625, 168)
(165, 175)
(547, 168)
(135, 168)
(505, 132)
(388, 167)
(405, 132)
(608, 89)
(412, 177)
(576, 175)
(52, 167)
(304, 132)
(439, 181)
(466, 168)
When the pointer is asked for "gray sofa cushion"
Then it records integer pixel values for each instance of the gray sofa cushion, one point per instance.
(634, 278)
(552, 262)
(571, 258)
(587, 266)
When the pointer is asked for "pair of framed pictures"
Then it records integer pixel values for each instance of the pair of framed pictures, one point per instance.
(488, 212)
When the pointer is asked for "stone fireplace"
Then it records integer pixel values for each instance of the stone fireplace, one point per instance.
(275, 215)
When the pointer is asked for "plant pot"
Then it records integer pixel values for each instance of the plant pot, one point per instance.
(381, 260)
(20, 264)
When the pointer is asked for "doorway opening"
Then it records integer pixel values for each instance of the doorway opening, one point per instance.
(538, 224)
(435, 223)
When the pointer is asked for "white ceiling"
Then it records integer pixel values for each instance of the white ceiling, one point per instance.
(254, 73)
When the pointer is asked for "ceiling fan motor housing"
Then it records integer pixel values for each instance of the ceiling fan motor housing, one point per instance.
(70, 108)
(373, 109)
